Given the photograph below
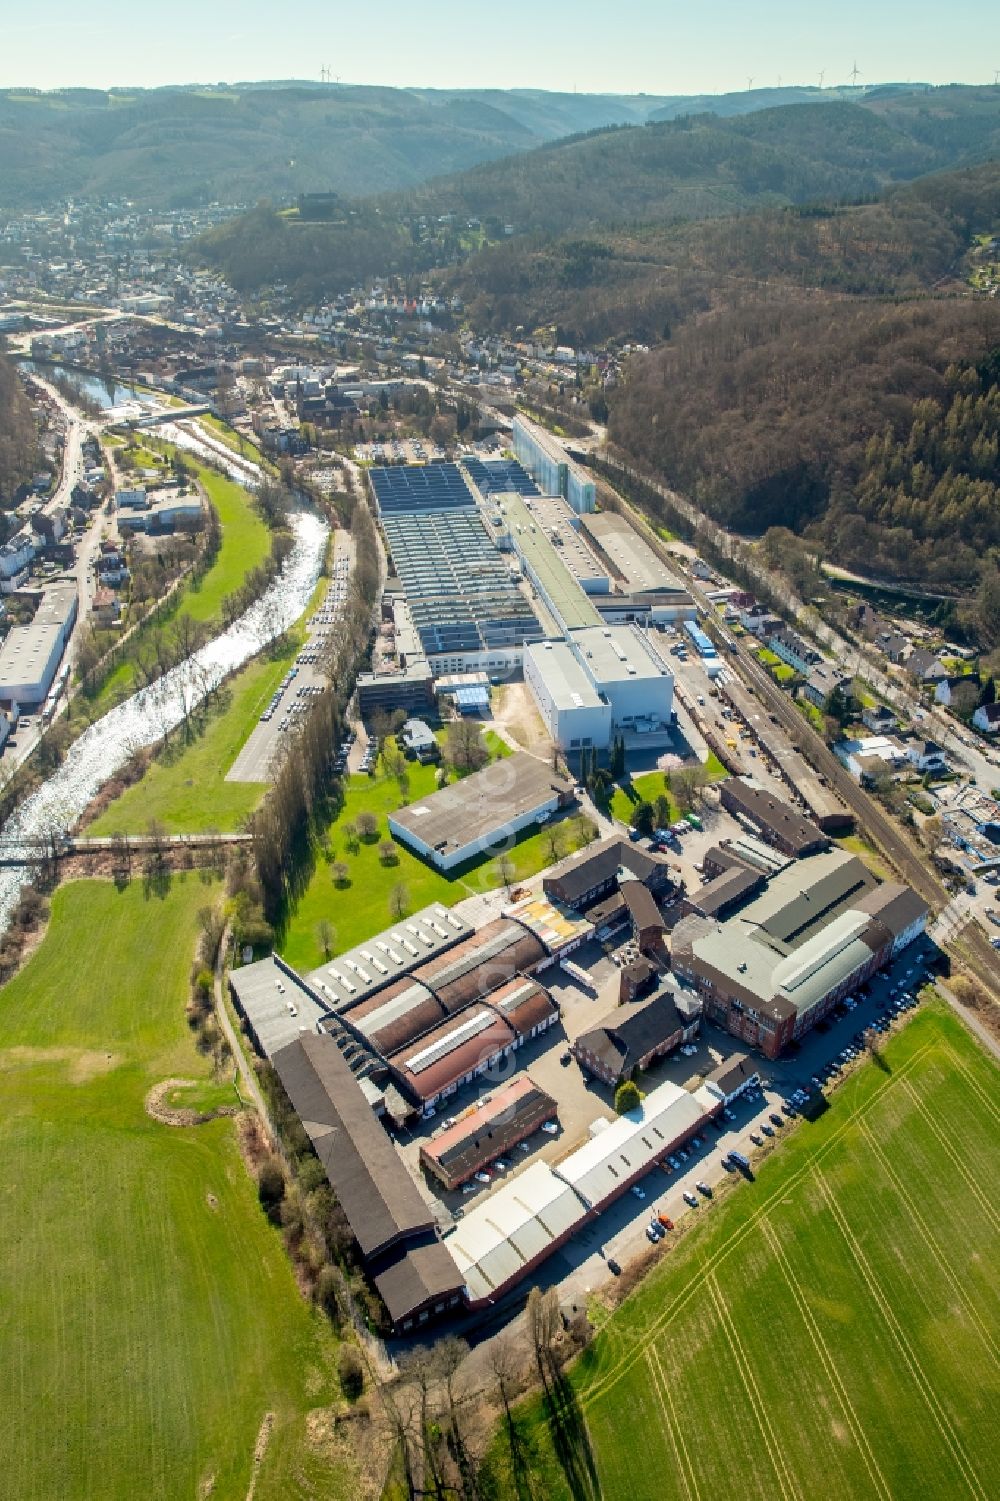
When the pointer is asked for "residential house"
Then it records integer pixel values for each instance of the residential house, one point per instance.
(879, 718)
(987, 719)
(824, 680)
(927, 755)
(792, 650)
(894, 644)
(924, 666)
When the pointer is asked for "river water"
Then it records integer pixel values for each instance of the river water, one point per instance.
(148, 715)
(107, 394)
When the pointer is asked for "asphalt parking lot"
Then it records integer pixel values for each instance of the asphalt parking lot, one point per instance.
(266, 742)
(619, 1234)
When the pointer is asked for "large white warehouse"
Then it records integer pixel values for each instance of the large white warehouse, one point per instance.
(599, 683)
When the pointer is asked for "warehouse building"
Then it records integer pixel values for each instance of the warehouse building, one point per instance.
(514, 1230)
(466, 609)
(451, 1056)
(273, 1004)
(634, 1036)
(509, 1115)
(774, 821)
(372, 966)
(550, 466)
(468, 819)
(517, 526)
(632, 561)
(30, 655)
(392, 1223)
(477, 965)
(600, 683)
(769, 972)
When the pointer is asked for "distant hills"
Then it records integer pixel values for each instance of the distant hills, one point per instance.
(181, 146)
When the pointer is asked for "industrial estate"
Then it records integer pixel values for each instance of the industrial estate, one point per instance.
(498, 960)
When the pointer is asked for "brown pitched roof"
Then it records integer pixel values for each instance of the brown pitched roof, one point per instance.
(372, 1185)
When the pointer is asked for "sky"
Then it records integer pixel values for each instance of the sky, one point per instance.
(628, 46)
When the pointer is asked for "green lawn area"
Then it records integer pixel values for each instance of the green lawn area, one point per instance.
(810, 713)
(361, 907)
(185, 787)
(649, 786)
(830, 1329)
(228, 435)
(150, 1314)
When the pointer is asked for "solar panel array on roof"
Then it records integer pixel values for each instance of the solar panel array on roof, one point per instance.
(460, 594)
(413, 489)
(500, 477)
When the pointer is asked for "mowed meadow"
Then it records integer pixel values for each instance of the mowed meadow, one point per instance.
(149, 1317)
(831, 1329)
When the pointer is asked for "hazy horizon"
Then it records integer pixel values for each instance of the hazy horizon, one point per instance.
(650, 46)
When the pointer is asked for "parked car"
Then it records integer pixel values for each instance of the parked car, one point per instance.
(689, 1198)
(704, 1189)
(651, 1234)
(551, 1127)
(665, 1221)
(640, 1193)
(613, 1267)
(482, 1177)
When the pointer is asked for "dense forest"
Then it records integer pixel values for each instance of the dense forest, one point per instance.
(264, 248)
(696, 167)
(641, 285)
(871, 427)
(18, 437)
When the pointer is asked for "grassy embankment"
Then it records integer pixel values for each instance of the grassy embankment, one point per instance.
(151, 1317)
(246, 542)
(830, 1329)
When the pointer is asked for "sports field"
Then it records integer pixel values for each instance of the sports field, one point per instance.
(149, 1317)
(832, 1329)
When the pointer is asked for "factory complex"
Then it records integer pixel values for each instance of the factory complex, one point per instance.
(522, 1017)
(505, 565)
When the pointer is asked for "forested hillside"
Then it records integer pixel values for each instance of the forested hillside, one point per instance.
(18, 438)
(643, 284)
(695, 167)
(597, 214)
(871, 426)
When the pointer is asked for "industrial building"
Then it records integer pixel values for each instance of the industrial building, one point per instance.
(583, 879)
(504, 1239)
(393, 1224)
(411, 688)
(30, 655)
(770, 970)
(466, 609)
(516, 526)
(636, 1034)
(598, 684)
(370, 967)
(632, 561)
(774, 821)
(550, 466)
(469, 818)
(486, 1131)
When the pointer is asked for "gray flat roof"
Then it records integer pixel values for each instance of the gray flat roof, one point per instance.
(618, 653)
(27, 651)
(267, 1007)
(565, 679)
(630, 554)
(480, 806)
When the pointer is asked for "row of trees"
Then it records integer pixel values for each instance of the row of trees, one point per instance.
(306, 782)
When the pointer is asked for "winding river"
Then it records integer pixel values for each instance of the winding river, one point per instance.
(142, 720)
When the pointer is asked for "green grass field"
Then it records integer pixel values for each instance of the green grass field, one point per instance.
(649, 786)
(831, 1329)
(185, 787)
(361, 907)
(150, 1317)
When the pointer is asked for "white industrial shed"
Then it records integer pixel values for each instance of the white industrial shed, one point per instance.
(522, 1223)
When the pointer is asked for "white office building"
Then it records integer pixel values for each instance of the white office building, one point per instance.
(551, 467)
(598, 683)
